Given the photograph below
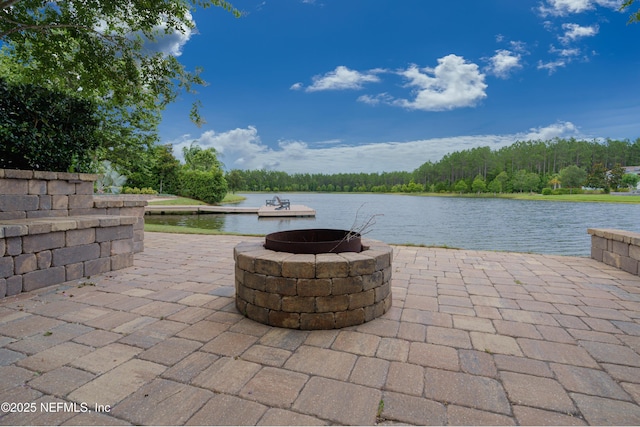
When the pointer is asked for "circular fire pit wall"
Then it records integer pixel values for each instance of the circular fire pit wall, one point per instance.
(323, 290)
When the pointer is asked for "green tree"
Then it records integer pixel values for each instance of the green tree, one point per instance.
(104, 51)
(235, 180)
(479, 185)
(572, 176)
(197, 158)
(635, 16)
(44, 129)
(630, 180)
(461, 186)
(519, 181)
(597, 177)
(614, 178)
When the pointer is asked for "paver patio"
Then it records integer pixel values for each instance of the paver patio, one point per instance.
(473, 337)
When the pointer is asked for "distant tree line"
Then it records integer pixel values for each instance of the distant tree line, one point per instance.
(559, 165)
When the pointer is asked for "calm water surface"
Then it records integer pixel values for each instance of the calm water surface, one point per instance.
(486, 224)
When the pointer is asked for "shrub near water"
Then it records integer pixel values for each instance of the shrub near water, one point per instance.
(209, 186)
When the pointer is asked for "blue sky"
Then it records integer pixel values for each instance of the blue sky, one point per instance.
(331, 86)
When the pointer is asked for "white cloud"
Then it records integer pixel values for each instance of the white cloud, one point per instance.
(171, 43)
(296, 86)
(453, 83)
(243, 149)
(551, 66)
(566, 7)
(341, 78)
(556, 130)
(503, 63)
(572, 32)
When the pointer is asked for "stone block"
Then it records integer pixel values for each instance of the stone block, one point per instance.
(332, 303)
(6, 267)
(3, 288)
(61, 187)
(63, 224)
(270, 264)
(346, 285)
(73, 254)
(45, 203)
(15, 246)
(105, 249)
(259, 314)
(310, 321)
(245, 261)
(370, 281)
(331, 265)
(74, 271)
(80, 237)
(109, 221)
(44, 259)
(267, 300)
(245, 293)
(114, 233)
(124, 246)
(361, 299)
(255, 281)
(383, 258)
(597, 254)
(60, 202)
(612, 259)
(42, 278)
(359, 263)
(598, 242)
(282, 285)
(297, 304)
(14, 202)
(83, 201)
(314, 287)
(629, 265)
(96, 266)
(18, 174)
(85, 187)
(13, 186)
(25, 263)
(634, 252)
(121, 261)
(46, 175)
(3, 245)
(381, 292)
(14, 285)
(39, 227)
(621, 248)
(349, 318)
(284, 320)
(301, 266)
(37, 186)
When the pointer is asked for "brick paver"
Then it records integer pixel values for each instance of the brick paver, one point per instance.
(472, 338)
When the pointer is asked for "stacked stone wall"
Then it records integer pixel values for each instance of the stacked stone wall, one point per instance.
(53, 230)
(323, 291)
(618, 248)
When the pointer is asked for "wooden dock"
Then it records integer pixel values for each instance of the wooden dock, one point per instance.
(263, 211)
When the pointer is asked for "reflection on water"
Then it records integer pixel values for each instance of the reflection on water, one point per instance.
(207, 222)
(486, 224)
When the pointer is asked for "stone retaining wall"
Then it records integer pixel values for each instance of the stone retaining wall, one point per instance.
(618, 248)
(53, 230)
(324, 291)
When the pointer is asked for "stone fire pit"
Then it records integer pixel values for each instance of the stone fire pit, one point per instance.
(296, 286)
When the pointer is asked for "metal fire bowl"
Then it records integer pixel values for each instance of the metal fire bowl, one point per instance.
(314, 241)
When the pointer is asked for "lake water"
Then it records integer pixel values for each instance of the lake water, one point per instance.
(469, 223)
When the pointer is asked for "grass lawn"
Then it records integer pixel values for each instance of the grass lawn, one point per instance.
(184, 201)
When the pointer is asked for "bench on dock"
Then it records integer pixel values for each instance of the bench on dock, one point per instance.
(53, 230)
(280, 203)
